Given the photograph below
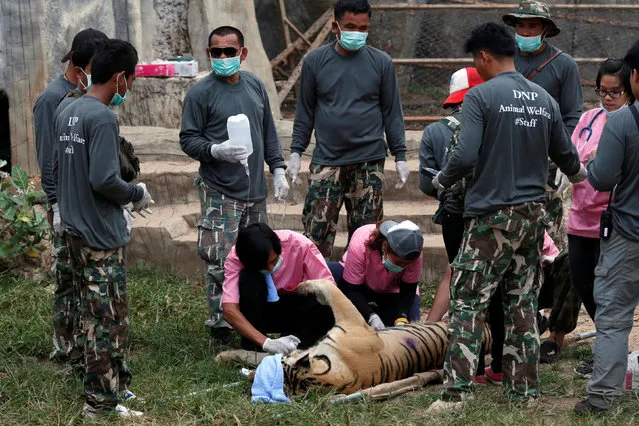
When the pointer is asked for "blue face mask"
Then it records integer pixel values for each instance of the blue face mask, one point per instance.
(275, 268)
(352, 40)
(226, 67)
(117, 99)
(390, 266)
(611, 113)
(528, 44)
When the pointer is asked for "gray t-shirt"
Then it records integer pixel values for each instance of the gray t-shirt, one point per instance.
(350, 101)
(90, 189)
(617, 163)
(207, 106)
(509, 128)
(560, 78)
(43, 111)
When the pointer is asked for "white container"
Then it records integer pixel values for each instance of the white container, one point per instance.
(239, 130)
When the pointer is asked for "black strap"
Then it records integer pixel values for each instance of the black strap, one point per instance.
(635, 113)
(543, 65)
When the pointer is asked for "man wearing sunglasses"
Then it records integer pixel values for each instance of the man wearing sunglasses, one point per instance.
(231, 198)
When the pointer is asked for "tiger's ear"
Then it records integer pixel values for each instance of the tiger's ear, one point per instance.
(303, 362)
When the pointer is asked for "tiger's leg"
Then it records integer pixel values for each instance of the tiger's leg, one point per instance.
(327, 293)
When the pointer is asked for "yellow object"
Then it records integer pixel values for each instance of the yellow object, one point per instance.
(401, 321)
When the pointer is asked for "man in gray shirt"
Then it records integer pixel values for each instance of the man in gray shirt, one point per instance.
(82, 46)
(510, 126)
(232, 195)
(350, 96)
(91, 192)
(615, 168)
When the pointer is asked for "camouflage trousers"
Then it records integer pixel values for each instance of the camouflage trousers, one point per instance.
(64, 301)
(358, 186)
(222, 218)
(499, 249)
(103, 318)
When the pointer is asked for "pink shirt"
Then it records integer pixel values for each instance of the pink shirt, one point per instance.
(364, 266)
(587, 204)
(549, 251)
(301, 261)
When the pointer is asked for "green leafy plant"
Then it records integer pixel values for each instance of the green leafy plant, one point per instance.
(22, 228)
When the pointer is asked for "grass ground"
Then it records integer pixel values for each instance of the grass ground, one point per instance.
(171, 357)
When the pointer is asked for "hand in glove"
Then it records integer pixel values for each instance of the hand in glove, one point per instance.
(376, 322)
(283, 345)
(280, 185)
(561, 182)
(438, 186)
(581, 175)
(294, 166)
(402, 172)
(226, 152)
(57, 220)
(144, 202)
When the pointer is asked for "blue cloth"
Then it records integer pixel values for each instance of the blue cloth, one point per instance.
(268, 384)
(271, 295)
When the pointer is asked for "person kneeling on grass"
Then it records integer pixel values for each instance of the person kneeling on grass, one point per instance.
(382, 266)
(262, 271)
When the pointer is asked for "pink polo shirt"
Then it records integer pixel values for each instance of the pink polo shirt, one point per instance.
(301, 261)
(365, 266)
(587, 204)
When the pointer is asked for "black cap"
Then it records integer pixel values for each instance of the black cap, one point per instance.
(81, 37)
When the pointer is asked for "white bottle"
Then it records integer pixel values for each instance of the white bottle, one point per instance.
(239, 130)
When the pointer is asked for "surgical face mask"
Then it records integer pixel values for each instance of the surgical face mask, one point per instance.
(117, 98)
(352, 40)
(88, 76)
(275, 268)
(611, 113)
(226, 67)
(528, 44)
(390, 266)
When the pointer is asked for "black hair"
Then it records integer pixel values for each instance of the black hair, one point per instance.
(353, 6)
(254, 245)
(226, 30)
(617, 68)
(85, 51)
(632, 57)
(113, 57)
(492, 37)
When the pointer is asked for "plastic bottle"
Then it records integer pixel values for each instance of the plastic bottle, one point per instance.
(632, 374)
(239, 130)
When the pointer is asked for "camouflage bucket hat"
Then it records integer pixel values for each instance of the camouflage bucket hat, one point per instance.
(532, 9)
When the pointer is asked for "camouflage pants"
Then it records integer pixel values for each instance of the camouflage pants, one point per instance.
(100, 280)
(358, 186)
(499, 249)
(64, 301)
(222, 218)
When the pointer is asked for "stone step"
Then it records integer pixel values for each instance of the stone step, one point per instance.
(171, 182)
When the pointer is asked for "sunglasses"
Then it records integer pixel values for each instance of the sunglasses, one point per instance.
(229, 52)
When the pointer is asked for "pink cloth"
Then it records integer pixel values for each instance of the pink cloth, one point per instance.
(587, 204)
(301, 261)
(549, 251)
(364, 266)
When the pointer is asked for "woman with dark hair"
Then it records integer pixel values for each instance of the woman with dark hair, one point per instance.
(383, 265)
(261, 273)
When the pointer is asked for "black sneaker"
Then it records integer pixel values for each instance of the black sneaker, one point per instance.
(549, 352)
(585, 368)
(584, 408)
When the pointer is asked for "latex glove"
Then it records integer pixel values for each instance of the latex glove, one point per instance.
(57, 220)
(561, 182)
(581, 175)
(225, 151)
(402, 172)
(283, 345)
(376, 322)
(294, 166)
(127, 218)
(280, 184)
(145, 202)
(438, 186)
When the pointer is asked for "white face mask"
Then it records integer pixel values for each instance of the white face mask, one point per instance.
(611, 113)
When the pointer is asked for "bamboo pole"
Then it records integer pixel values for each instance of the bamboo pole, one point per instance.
(298, 32)
(287, 32)
(440, 61)
(489, 6)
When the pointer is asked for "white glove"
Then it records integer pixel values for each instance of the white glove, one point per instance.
(402, 172)
(561, 182)
(294, 166)
(283, 345)
(376, 322)
(438, 186)
(127, 218)
(225, 151)
(581, 175)
(145, 202)
(57, 220)
(280, 185)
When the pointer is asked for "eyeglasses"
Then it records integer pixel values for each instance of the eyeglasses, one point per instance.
(613, 93)
(229, 52)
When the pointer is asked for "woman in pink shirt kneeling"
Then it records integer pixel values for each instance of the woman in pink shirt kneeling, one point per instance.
(383, 265)
(261, 274)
